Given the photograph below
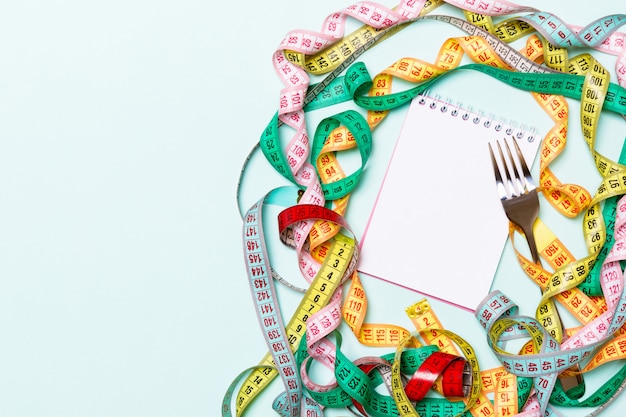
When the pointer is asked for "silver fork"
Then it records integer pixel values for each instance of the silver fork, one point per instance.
(517, 193)
(519, 198)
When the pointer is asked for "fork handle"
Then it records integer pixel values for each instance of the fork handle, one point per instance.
(530, 239)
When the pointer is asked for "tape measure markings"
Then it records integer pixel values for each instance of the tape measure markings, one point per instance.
(590, 133)
(340, 262)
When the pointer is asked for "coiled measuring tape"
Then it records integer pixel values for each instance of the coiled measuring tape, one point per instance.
(558, 195)
(355, 383)
(452, 370)
(283, 339)
(340, 190)
(432, 330)
(558, 86)
(498, 307)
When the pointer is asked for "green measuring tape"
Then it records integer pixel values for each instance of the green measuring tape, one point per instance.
(353, 382)
(357, 81)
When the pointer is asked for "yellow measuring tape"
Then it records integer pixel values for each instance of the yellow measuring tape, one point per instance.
(316, 297)
(569, 198)
(331, 58)
(433, 332)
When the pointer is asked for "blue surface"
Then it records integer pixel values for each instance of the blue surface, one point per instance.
(124, 126)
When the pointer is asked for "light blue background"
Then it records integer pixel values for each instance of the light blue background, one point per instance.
(124, 125)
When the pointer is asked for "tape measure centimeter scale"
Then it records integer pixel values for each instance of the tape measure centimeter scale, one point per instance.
(410, 96)
(458, 23)
(610, 315)
(357, 384)
(559, 35)
(287, 218)
(606, 393)
(591, 285)
(355, 173)
(261, 373)
(260, 377)
(359, 81)
(590, 123)
(365, 153)
(572, 86)
(341, 261)
(268, 311)
(327, 92)
(249, 391)
(332, 57)
(432, 330)
(498, 315)
(553, 82)
(551, 147)
(354, 309)
(546, 301)
(449, 367)
(596, 83)
(615, 348)
(345, 190)
(328, 59)
(423, 372)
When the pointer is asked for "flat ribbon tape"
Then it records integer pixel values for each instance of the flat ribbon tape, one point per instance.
(282, 339)
(453, 370)
(501, 322)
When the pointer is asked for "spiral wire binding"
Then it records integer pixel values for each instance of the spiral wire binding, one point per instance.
(467, 113)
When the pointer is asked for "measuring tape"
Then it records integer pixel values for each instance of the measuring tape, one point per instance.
(453, 370)
(559, 33)
(354, 310)
(431, 329)
(268, 313)
(368, 334)
(556, 327)
(391, 100)
(497, 315)
(592, 284)
(334, 56)
(282, 340)
(594, 90)
(361, 388)
(357, 80)
(360, 81)
(383, 375)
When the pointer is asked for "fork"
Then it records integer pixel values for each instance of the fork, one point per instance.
(517, 193)
(519, 198)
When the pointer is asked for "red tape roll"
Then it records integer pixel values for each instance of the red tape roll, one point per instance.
(451, 368)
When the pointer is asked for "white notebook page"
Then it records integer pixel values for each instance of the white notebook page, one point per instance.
(438, 226)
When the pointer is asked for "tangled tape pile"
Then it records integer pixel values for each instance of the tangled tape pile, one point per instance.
(430, 358)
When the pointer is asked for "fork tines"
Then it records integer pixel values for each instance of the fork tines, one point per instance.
(516, 181)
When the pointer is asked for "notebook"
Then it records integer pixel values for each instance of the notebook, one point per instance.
(437, 226)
